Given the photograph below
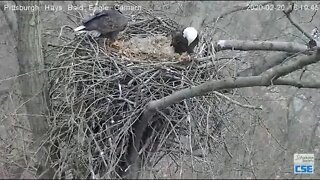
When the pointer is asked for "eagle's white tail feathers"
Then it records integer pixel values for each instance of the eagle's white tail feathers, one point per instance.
(79, 28)
(80, 32)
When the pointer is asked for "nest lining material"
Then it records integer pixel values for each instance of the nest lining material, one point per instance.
(97, 95)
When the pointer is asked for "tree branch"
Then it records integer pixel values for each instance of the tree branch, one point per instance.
(236, 9)
(285, 69)
(236, 102)
(265, 64)
(257, 45)
(298, 84)
(288, 15)
(289, 49)
(260, 45)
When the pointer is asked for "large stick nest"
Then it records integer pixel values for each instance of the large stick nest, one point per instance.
(97, 95)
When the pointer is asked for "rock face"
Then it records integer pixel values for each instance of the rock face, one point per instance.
(262, 144)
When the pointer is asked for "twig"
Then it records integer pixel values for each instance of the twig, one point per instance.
(236, 9)
(236, 102)
(227, 150)
(288, 15)
(61, 29)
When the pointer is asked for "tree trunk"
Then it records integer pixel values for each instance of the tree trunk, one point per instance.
(32, 78)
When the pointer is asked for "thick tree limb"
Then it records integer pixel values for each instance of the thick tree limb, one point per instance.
(284, 69)
(287, 47)
(33, 92)
(257, 46)
(260, 45)
(265, 64)
(298, 84)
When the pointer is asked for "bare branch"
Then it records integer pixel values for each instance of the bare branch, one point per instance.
(297, 83)
(265, 64)
(288, 47)
(260, 45)
(288, 13)
(236, 102)
(238, 8)
(285, 69)
(312, 17)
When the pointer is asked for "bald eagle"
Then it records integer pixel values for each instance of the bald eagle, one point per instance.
(185, 41)
(105, 24)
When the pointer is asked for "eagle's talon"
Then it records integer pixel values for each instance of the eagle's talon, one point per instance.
(185, 57)
(116, 45)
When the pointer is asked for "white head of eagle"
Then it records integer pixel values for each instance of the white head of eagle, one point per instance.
(190, 33)
(185, 41)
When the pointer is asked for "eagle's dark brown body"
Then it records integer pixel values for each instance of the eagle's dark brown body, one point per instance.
(108, 23)
(180, 41)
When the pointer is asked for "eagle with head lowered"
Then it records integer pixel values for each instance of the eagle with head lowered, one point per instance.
(105, 24)
(185, 41)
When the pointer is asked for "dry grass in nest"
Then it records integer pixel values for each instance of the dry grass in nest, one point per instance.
(96, 96)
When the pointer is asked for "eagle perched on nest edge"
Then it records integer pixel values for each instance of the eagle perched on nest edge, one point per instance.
(105, 24)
